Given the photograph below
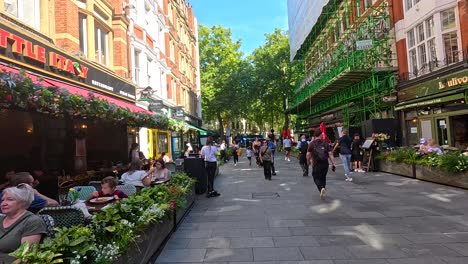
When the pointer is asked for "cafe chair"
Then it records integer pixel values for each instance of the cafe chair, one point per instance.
(83, 191)
(128, 189)
(64, 216)
(95, 184)
(171, 166)
(49, 223)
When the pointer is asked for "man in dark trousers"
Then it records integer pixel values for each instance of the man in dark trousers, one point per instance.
(318, 154)
(302, 146)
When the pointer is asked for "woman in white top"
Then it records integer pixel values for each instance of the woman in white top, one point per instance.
(136, 176)
(208, 153)
(161, 173)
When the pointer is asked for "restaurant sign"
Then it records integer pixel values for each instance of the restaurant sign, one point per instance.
(434, 86)
(44, 58)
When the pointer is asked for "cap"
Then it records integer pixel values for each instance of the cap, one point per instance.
(422, 141)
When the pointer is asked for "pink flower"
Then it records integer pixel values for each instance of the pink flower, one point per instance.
(173, 204)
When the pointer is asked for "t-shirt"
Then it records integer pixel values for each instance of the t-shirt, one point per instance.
(119, 193)
(345, 144)
(37, 204)
(31, 225)
(356, 146)
(249, 153)
(268, 153)
(311, 149)
(209, 152)
(134, 178)
(287, 143)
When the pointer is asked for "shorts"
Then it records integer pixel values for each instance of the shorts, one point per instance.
(356, 157)
(287, 149)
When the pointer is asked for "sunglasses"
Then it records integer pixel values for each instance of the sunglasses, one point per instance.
(21, 185)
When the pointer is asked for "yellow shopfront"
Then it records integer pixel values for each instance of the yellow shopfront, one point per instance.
(159, 142)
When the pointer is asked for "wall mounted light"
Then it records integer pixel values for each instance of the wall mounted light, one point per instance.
(84, 126)
(29, 131)
(414, 120)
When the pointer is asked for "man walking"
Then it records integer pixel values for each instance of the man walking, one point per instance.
(318, 154)
(344, 142)
(302, 146)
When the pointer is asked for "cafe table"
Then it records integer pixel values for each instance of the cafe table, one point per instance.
(96, 207)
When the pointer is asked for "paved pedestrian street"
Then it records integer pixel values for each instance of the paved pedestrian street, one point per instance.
(376, 219)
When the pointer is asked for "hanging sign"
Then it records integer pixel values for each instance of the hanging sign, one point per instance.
(364, 44)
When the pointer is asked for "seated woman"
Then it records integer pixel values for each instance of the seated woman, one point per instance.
(136, 176)
(423, 146)
(18, 225)
(160, 173)
(164, 157)
(40, 201)
(108, 185)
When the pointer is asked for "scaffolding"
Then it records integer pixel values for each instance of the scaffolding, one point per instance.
(348, 60)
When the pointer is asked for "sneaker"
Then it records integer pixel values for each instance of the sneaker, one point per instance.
(235, 164)
(274, 174)
(285, 158)
(215, 194)
(289, 159)
(322, 193)
(208, 194)
(350, 179)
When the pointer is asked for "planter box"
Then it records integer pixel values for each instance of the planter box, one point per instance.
(148, 243)
(180, 213)
(401, 169)
(436, 175)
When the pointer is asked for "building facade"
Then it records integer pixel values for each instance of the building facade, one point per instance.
(80, 48)
(432, 46)
(349, 63)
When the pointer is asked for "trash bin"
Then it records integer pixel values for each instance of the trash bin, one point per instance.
(195, 167)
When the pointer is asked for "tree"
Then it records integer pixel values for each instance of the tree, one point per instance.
(224, 75)
(275, 78)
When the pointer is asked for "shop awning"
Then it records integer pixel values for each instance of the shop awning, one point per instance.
(429, 101)
(203, 132)
(73, 89)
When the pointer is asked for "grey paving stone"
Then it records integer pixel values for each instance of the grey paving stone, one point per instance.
(277, 254)
(214, 242)
(182, 255)
(330, 252)
(270, 232)
(295, 241)
(366, 252)
(307, 262)
(251, 242)
(455, 260)
(339, 240)
(429, 238)
(424, 250)
(244, 232)
(286, 223)
(177, 243)
(308, 230)
(362, 261)
(424, 260)
(192, 234)
(460, 248)
(228, 254)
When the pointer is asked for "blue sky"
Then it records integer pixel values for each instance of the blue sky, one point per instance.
(249, 20)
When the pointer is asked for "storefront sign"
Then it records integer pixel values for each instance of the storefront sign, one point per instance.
(434, 86)
(430, 102)
(391, 98)
(414, 130)
(42, 57)
(364, 44)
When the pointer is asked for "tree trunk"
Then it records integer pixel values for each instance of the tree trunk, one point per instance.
(220, 122)
(286, 115)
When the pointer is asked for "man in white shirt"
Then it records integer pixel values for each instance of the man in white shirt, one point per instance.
(287, 148)
(208, 153)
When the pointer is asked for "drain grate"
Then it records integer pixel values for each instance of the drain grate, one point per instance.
(265, 195)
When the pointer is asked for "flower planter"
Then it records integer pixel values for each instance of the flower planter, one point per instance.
(150, 240)
(436, 175)
(180, 213)
(401, 169)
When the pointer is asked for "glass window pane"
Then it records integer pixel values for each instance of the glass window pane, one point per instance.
(430, 27)
(420, 28)
(11, 7)
(413, 62)
(162, 142)
(422, 55)
(451, 47)
(448, 19)
(83, 33)
(409, 4)
(411, 40)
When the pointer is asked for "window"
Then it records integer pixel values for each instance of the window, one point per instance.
(411, 40)
(430, 27)
(27, 11)
(148, 70)
(137, 67)
(450, 47)
(101, 44)
(409, 4)
(448, 19)
(422, 55)
(432, 51)
(413, 62)
(83, 34)
(162, 142)
(420, 29)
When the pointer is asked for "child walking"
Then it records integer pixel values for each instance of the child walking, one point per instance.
(249, 155)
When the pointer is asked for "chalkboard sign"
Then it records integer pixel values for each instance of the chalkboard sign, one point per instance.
(368, 143)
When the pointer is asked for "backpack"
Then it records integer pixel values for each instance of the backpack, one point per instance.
(303, 147)
(320, 151)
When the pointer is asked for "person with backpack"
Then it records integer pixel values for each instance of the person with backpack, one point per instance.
(302, 146)
(235, 155)
(318, 154)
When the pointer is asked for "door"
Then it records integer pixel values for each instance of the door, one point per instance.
(442, 134)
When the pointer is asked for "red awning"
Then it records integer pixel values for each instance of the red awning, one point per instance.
(80, 91)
